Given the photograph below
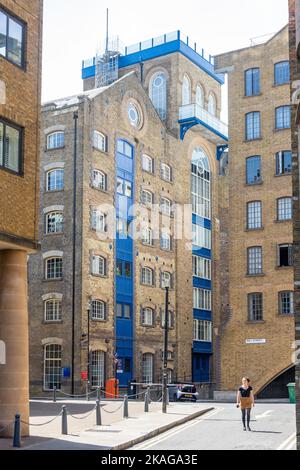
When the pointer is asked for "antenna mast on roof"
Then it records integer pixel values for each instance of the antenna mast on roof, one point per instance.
(107, 61)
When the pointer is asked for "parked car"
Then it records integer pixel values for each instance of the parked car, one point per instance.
(183, 392)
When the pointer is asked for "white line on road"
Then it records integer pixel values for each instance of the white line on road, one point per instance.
(266, 414)
(179, 429)
(288, 442)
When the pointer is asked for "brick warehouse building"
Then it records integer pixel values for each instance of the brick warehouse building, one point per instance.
(259, 334)
(294, 43)
(129, 149)
(20, 73)
(148, 130)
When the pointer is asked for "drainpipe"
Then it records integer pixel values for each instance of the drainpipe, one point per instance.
(75, 117)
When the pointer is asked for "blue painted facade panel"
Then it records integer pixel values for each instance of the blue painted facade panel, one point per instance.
(201, 252)
(197, 220)
(202, 315)
(202, 283)
(202, 347)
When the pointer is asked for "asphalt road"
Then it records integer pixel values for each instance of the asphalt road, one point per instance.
(273, 428)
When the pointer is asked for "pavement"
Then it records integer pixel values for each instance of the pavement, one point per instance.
(116, 433)
(273, 428)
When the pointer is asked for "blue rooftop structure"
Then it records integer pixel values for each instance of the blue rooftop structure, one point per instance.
(158, 47)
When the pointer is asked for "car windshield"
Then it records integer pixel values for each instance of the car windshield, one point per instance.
(189, 389)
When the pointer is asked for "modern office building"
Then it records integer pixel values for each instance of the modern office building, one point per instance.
(145, 131)
(20, 75)
(258, 334)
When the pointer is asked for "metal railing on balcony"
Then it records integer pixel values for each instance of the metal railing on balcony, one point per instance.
(195, 111)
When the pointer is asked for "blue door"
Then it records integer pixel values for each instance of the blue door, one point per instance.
(201, 372)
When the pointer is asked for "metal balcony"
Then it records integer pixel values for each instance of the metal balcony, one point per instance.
(193, 116)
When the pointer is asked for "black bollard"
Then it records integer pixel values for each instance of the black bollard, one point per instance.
(87, 391)
(54, 395)
(126, 415)
(64, 421)
(98, 393)
(17, 432)
(146, 403)
(98, 414)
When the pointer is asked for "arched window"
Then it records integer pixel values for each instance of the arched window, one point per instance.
(200, 96)
(147, 197)
(53, 268)
(99, 141)
(212, 105)
(98, 310)
(158, 93)
(147, 368)
(98, 369)
(98, 221)
(186, 91)
(54, 222)
(56, 140)
(99, 180)
(201, 185)
(99, 266)
(166, 206)
(55, 180)
(147, 317)
(147, 163)
(147, 277)
(52, 310)
(52, 367)
(166, 172)
(147, 236)
(165, 241)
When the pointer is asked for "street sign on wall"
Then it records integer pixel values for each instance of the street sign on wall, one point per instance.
(256, 341)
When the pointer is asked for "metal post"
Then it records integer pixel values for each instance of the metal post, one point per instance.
(98, 414)
(126, 415)
(75, 117)
(146, 403)
(149, 394)
(87, 391)
(54, 395)
(88, 354)
(64, 420)
(165, 369)
(17, 431)
(98, 393)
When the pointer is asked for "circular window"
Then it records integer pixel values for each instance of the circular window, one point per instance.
(158, 82)
(134, 115)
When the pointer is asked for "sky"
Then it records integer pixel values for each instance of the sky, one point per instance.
(74, 29)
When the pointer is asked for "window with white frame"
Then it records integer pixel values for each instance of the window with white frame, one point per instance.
(255, 261)
(201, 185)
(283, 117)
(186, 91)
(202, 299)
(158, 93)
(166, 206)
(147, 317)
(203, 331)
(147, 236)
(53, 268)
(147, 368)
(99, 141)
(147, 163)
(254, 215)
(98, 369)
(201, 237)
(147, 198)
(99, 180)
(166, 280)
(98, 308)
(52, 366)
(98, 266)
(200, 96)
(202, 267)
(54, 222)
(212, 105)
(284, 208)
(56, 140)
(55, 180)
(147, 277)
(166, 172)
(286, 303)
(98, 221)
(52, 310)
(165, 241)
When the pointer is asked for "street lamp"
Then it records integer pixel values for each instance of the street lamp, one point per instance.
(166, 286)
(88, 346)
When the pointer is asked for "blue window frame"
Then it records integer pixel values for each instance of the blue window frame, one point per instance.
(253, 126)
(283, 117)
(254, 170)
(284, 162)
(282, 73)
(252, 82)
(124, 148)
(124, 269)
(124, 311)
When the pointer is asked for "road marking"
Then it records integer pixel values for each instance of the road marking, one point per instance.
(288, 443)
(266, 414)
(172, 432)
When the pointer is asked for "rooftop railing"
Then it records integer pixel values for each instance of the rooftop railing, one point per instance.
(196, 111)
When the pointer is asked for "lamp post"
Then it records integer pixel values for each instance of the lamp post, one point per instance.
(166, 285)
(88, 347)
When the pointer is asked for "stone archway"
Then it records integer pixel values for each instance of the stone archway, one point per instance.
(277, 387)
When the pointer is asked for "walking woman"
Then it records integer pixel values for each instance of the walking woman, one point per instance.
(245, 400)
